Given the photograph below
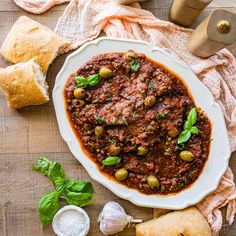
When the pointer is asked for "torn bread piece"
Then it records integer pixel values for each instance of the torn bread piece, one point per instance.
(189, 221)
(24, 84)
(28, 39)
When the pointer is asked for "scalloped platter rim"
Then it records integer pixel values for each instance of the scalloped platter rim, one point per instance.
(220, 151)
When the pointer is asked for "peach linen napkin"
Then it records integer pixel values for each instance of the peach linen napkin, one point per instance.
(83, 20)
(38, 6)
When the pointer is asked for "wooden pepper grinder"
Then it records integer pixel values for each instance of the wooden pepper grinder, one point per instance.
(184, 12)
(217, 31)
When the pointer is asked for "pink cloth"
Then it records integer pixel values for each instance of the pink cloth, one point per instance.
(38, 6)
(83, 20)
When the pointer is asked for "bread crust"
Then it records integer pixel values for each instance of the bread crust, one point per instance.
(29, 39)
(188, 222)
(20, 84)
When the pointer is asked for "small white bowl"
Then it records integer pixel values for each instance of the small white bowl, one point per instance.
(65, 210)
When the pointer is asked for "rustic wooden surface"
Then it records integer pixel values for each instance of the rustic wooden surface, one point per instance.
(33, 131)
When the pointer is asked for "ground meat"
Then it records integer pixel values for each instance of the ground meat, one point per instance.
(118, 105)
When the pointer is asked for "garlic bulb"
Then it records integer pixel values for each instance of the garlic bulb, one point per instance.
(113, 218)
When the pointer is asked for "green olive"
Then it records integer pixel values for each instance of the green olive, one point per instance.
(114, 150)
(121, 174)
(130, 55)
(173, 133)
(79, 93)
(142, 151)
(87, 126)
(186, 156)
(99, 131)
(105, 73)
(150, 101)
(153, 123)
(153, 182)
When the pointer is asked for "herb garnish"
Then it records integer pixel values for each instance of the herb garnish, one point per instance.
(134, 65)
(83, 82)
(125, 121)
(113, 140)
(161, 115)
(75, 192)
(150, 85)
(111, 161)
(99, 119)
(189, 127)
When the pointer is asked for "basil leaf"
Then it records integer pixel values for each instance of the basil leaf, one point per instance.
(69, 183)
(51, 169)
(192, 117)
(56, 174)
(99, 119)
(42, 166)
(184, 136)
(194, 130)
(93, 80)
(134, 65)
(81, 82)
(81, 186)
(111, 161)
(48, 206)
(79, 199)
(187, 125)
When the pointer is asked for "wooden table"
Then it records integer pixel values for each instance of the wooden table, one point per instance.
(33, 131)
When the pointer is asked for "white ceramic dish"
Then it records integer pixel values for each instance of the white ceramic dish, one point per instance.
(220, 147)
(75, 212)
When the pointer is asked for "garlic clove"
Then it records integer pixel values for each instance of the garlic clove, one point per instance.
(113, 218)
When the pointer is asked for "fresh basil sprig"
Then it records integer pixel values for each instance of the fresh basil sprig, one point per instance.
(75, 192)
(134, 65)
(111, 161)
(83, 82)
(189, 127)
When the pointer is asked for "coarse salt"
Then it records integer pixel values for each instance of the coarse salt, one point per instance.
(71, 221)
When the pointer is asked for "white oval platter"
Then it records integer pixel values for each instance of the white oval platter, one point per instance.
(220, 150)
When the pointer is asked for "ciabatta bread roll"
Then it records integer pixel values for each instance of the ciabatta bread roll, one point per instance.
(178, 223)
(24, 84)
(28, 39)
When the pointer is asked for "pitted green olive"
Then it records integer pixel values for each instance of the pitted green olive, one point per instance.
(99, 131)
(153, 182)
(121, 174)
(173, 133)
(114, 150)
(130, 55)
(150, 101)
(186, 156)
(105, 73)
(79, 93)
(142, 151)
